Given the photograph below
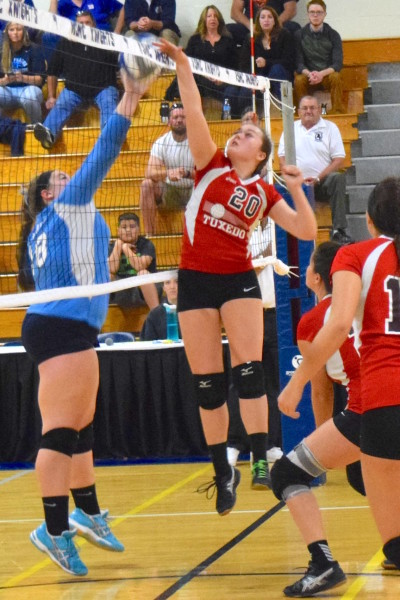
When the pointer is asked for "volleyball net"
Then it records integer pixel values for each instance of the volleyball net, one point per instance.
(125, 186)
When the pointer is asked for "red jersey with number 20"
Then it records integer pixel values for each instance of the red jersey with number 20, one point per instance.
(344, 365)
(377, 321)
(220, 217)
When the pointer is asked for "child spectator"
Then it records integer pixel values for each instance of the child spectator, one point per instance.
(132, 254)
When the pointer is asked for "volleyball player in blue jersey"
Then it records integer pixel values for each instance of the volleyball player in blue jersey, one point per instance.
(66, 240)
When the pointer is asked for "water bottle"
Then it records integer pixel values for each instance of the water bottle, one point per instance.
(324, 109)
(226, 110)
(164, 112)
(172, 323)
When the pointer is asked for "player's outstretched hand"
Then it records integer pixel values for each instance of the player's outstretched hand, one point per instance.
(174, 52)
(293, 176)
(289, 399)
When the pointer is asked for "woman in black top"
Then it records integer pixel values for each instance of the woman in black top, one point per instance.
(273, 53)
(212, 43)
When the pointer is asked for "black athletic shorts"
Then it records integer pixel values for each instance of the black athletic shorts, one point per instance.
(348, 423)
(209, 290)
(46, 337)
(380, 432)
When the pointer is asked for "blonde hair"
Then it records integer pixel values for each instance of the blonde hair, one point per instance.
(202, 24)
(7, 53)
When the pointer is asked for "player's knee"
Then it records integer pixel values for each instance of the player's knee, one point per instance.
(294, 473)
(289, 480)
(392, 551)
(210, 390)
(249, 379)
(62, 439)
(355, 478)
(85, 440)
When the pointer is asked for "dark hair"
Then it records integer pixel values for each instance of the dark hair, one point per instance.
(128, 216)
(266, 146)
(258, 32)
(384, 209)
(32, 205)
(175, 106)
(323, 258)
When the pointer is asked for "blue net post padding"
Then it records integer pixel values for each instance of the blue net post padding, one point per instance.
(293, 299)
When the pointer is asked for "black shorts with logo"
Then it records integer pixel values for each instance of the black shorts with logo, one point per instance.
(210, 290)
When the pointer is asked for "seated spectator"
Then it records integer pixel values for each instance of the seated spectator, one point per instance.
(152, 16)
(212, 43)
(104, 11)
(169, 173)
(155, 325)
(22, 71)
(273, 53)
(240, 13)
(107, 14)
(319, 58)
(34, 34)
(90, 78)
(320, 154)
(132, 254)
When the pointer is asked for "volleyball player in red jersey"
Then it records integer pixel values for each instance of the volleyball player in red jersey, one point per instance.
(335, 444)
(366, 288)
(217, 281)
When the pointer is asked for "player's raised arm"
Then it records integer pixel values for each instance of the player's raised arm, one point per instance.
(201, 143)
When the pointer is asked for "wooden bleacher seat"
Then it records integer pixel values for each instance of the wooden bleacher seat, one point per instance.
(123, 182)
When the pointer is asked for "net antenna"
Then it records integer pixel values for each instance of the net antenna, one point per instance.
(252, 51)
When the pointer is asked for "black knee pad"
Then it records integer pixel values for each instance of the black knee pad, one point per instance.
(392, 551)
(285, 474)
(210, 390)
(249, 379)
(62, 439)
(355, 478)
(85, 440)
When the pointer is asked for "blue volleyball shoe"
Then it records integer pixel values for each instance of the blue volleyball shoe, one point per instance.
(95, 529)
(60, 548)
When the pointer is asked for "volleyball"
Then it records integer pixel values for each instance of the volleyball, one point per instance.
(137, 67)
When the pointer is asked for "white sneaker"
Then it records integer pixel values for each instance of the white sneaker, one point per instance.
(274, 454)
(232, 454)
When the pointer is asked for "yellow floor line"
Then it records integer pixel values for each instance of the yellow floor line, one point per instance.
(167, 492)
(360, 581)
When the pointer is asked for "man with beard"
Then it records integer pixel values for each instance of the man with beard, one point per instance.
(169, 174)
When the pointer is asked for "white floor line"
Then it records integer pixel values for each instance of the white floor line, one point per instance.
(185, 514)
(16, 476)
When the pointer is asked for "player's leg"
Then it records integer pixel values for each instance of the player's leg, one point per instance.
(324, 449)
(243, 322)
(201, 332)
(380, 461)
(67, 395)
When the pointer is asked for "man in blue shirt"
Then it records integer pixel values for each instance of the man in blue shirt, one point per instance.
(156, 17)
